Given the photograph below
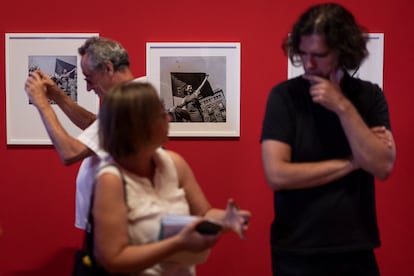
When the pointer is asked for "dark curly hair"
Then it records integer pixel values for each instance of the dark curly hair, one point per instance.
(338, 26)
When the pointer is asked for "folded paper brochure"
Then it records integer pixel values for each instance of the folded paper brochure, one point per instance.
(170, 226)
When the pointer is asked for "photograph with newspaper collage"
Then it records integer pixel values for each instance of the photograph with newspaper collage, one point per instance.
(199, 85)
(55, 54)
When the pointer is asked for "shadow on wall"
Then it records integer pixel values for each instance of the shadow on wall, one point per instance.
(60, 263)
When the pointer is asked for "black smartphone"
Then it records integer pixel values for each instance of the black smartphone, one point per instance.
(208, 228)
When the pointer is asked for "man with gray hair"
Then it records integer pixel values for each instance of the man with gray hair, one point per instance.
(104, 63)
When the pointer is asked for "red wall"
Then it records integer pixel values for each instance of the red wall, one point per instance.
(37, 191)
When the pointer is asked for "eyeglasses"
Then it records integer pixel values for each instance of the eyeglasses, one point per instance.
(355, 72)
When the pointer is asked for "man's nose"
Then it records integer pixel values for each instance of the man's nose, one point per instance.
(308, 63)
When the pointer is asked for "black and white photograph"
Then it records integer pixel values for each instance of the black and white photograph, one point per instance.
(55, 54)
(61, 69)
(194, 96)
(194, 99)
(199, 85)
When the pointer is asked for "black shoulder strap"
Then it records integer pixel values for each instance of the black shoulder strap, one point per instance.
(88, 237)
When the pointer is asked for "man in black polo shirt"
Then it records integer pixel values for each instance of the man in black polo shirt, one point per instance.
(325, 136)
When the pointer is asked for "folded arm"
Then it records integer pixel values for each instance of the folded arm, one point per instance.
(367, 145)
(282, 174)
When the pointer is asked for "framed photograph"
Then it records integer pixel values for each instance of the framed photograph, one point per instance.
(372, 67)
(56, 55)
(199, 84)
